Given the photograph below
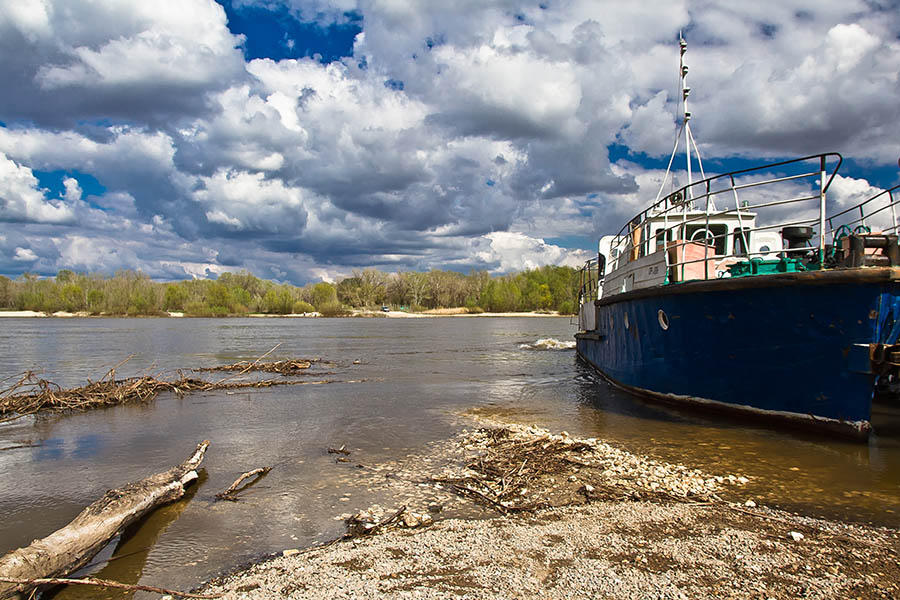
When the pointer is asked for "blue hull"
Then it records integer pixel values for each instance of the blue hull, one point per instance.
(794, 346)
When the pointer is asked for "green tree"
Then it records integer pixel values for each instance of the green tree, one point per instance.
(73, 297)
(95, 299)
(323, 294)
(218, 298)
(6, 292)
(175, 297)
(278, 302)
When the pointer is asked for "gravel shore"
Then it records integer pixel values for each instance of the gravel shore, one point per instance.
(572, 518)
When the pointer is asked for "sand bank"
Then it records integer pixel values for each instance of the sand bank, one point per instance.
(595, 522)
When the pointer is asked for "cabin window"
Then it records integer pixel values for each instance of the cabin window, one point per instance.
(661, 235)
(741, 241)
(715, 236)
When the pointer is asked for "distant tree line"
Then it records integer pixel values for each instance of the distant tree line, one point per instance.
(134, 293)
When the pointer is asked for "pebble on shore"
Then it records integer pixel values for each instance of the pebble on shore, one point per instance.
(617, 526)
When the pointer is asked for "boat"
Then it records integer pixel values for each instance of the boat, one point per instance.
(746, 292)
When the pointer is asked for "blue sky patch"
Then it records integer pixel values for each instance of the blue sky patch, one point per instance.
(573, 241)
(53, 182)
(273, 32)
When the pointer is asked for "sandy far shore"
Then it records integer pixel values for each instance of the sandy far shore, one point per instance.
(394, 314)
(618, 526)
(449, 312)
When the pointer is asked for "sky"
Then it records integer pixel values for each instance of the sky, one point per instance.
(304, 139)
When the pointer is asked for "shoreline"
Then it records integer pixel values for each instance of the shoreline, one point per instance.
(586, 520)
(356, 313)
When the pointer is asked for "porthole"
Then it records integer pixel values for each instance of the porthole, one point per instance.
(626, 321)
(663, 319)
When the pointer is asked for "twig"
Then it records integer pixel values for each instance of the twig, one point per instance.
(341, 450)
(28, 445)
(466, 490)
(232, 491)
(361, 528)
(111, 374)
(254, 362)
(116, 557)
(105, 583)
(390, 519)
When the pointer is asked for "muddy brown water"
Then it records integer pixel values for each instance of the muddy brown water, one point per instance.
(399, 384)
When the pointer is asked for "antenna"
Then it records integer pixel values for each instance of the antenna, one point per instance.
(688, 136)
(685, 92)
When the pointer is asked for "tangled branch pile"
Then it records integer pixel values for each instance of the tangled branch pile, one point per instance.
(31, 394)
(511, 468)
(523, 469)
(282, 367)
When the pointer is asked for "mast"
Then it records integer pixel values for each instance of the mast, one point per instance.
(689, 143)
(686, 114)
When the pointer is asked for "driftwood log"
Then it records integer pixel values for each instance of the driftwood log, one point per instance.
(70, 548)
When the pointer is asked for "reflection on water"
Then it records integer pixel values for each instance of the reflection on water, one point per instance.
(416, 376)
(793, 470)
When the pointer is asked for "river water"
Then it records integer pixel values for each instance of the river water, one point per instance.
(397, 386)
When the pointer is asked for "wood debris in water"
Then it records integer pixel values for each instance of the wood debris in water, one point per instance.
(235, 488)
(31, 394)
(71, 547)
(296, 366)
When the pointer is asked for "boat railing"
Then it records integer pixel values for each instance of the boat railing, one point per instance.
(590, 280)
(877, 204)
(767, 198)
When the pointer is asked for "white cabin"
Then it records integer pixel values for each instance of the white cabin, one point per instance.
(668, 248)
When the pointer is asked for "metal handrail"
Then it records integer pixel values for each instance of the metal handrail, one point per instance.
(862, 216)
(664, 226)
(708, 181)
(589, 286)
(686, 206)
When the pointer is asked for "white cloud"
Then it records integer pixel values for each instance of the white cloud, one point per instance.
(72, 190)
(168, 41)
(497, 141)
(25, 255)
(21, 200)
(31, 18)
(248, 202)
(877, 213)
(516, 252)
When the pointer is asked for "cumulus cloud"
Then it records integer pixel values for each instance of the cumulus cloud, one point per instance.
(454, 135)
(242, 201)
(110, 60)
(517, 252)
(21, 200)
(25, 255)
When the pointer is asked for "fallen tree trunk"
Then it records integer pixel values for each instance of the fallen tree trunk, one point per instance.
(70, 548)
